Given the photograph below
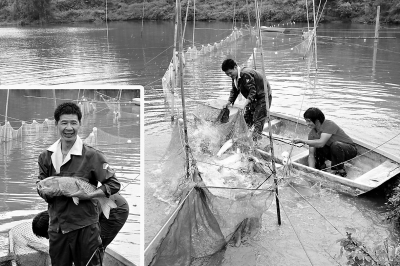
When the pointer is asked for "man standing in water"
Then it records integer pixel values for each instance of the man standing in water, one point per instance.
(251, 85)
(327, 141)
(74, 233)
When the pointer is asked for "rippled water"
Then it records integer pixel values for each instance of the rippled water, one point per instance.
(359, 92)
(18, 159)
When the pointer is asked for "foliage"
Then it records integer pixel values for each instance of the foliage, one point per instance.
(272, 10)
(357, 254)
(394, 207)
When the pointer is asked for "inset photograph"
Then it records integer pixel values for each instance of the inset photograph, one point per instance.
(70, 183)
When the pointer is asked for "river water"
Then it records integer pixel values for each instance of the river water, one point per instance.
(18, 158)
(356, 89)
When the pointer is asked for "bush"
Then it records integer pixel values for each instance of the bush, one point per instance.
(345, 10)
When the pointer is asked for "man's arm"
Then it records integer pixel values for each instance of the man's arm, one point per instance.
(250, 84)
(311, 157)
(43, 173)
(106, 176)
(317, 143)
(233, 94)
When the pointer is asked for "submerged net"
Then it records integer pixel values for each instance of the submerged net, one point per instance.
(223, 198)
(230, 186)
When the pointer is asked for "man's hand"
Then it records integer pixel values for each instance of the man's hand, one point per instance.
(227, 104)
(297, 140)
(80, 194)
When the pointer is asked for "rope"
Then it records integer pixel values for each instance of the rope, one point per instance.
(238, 188)
(298, 238)
(97, 249)
(158, 55)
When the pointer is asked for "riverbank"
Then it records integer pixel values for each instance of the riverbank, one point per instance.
(70, 11)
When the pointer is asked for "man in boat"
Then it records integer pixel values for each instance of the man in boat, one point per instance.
(74, 230)
(109, 227)
(251, 85)
(327, 141)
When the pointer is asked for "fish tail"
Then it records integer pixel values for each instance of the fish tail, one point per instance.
(106, 206)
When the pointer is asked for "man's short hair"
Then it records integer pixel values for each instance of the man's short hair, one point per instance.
(228, 64)
(314, 114)
(68, 108)
(40, 224)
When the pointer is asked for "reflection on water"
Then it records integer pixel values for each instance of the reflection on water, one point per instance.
(360, 98)
(360, 93)
(18, 158)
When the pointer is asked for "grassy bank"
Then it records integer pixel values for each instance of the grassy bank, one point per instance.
(67, 11)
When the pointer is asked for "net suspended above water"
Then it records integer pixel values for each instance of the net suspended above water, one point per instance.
(218, 199)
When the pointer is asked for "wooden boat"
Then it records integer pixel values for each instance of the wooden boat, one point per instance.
(29, 255)
(369, 170)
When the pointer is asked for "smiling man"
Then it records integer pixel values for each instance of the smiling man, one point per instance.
(74, 233)
(251, 85)
(327, 141)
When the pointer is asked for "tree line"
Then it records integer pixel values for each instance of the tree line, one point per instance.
(64, 11)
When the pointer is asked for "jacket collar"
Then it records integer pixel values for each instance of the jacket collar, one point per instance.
(57, 157)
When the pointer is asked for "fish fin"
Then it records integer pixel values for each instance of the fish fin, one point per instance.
(107, 206)
(76, 200)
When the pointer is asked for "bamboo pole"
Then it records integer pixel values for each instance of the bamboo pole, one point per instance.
(8, 96)
(234, 14)
(194, 19)
(308, 20)
(268, 116)
(375, 41)
(55, 99)
(174, 64)
(183, 91)
(141, 31)
(377, 22)
(315, 40)
(187, 12)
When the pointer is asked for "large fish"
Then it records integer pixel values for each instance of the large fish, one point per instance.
(225, 147)
(57, 185)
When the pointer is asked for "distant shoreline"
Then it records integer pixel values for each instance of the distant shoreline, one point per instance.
(20, 13)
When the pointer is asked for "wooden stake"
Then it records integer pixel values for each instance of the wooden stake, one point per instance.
(194, 19)
(268, 116)
(183, 90)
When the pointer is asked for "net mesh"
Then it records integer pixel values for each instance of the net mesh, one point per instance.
(229, 188)
(27, 248)
(222, 195)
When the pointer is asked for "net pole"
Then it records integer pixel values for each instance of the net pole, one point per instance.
(5, 117)
(141, 31)
(55, 99)
(251, 35)
(315, 39)
(174, 64)
(268, 116)
(187, 12)
(194, 19)
(182, 89)
(375, 41)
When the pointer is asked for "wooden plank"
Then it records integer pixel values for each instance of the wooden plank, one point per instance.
(300, 155)
(379, 174)
(283, 139)
(112, 257)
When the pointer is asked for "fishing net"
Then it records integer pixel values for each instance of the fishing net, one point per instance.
(230, 186)
(224, 196)
(27, 248)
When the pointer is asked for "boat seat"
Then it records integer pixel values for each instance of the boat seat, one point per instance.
(300, 155)
(274, 122)
(379, 174)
